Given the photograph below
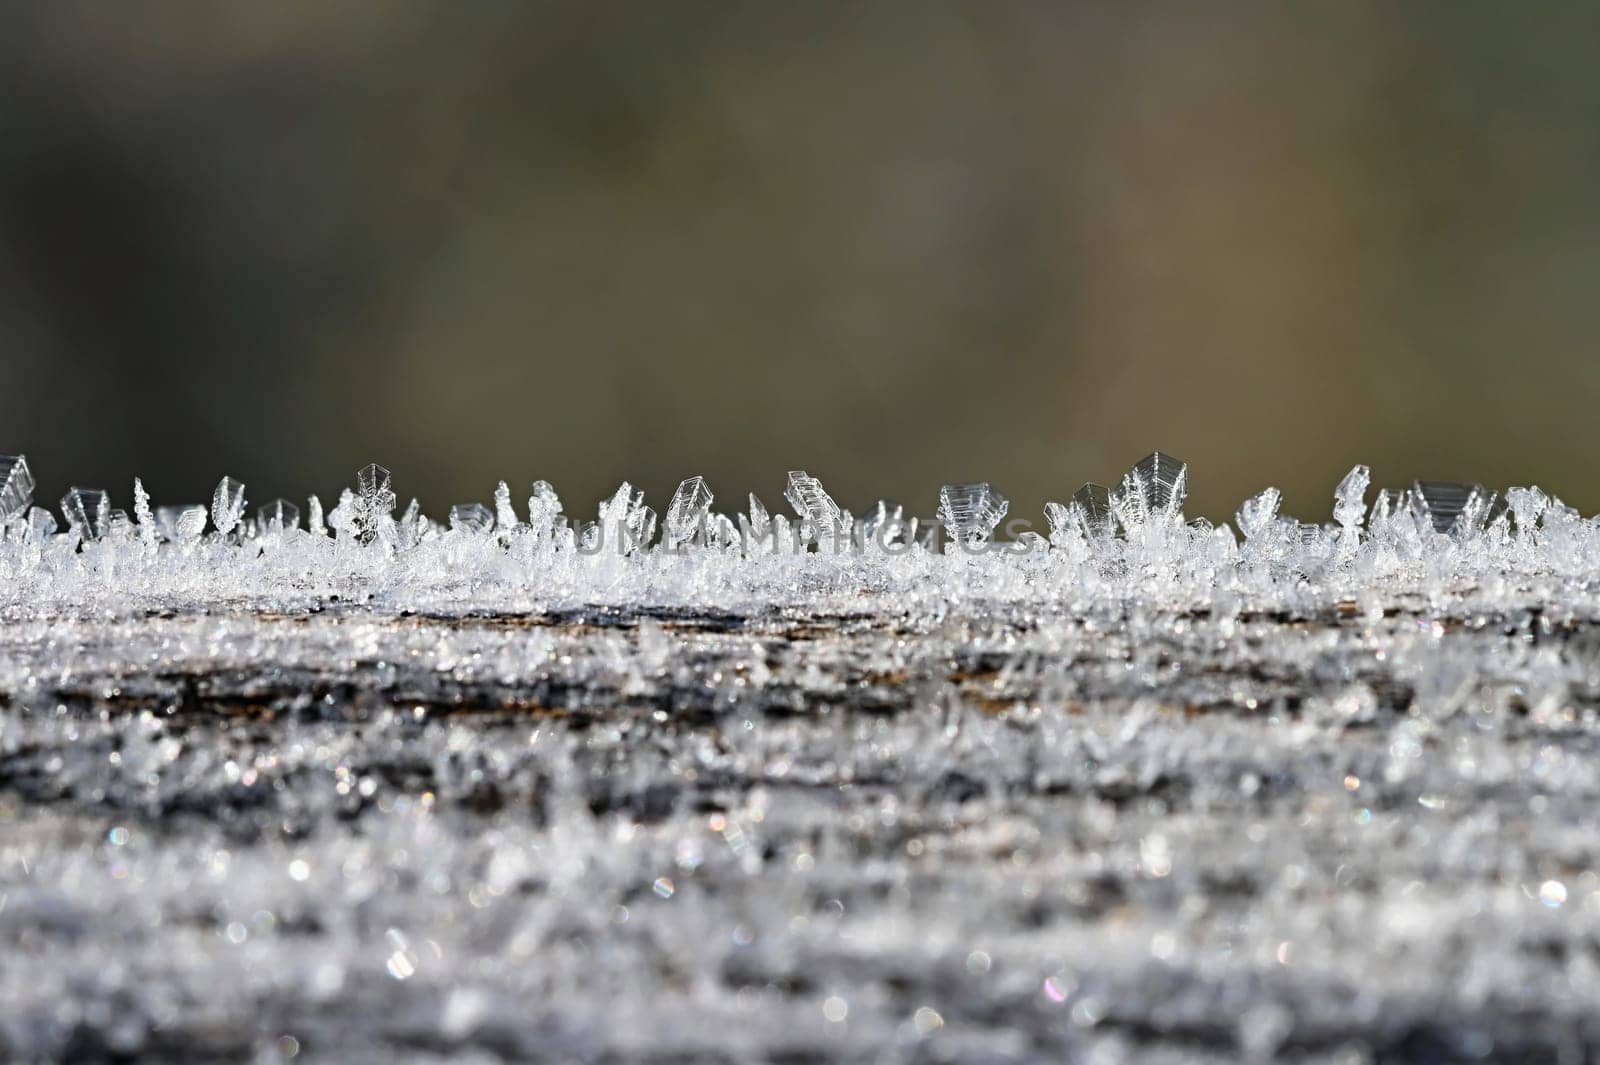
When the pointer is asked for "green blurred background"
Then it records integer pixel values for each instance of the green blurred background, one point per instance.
(895, 244)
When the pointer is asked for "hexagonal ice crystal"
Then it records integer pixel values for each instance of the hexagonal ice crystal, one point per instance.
(1091, 509)
(280, 514)
(472, 518)
(971, 511)
(1451, 506)
(1155, 488)
(16, 487)
(1257, 513)
(813, 504)
(88, 512)
(181, 523)
(687, 511)
(227, 505)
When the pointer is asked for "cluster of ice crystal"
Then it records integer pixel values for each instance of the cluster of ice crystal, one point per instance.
(804, 788)
(1433, 542)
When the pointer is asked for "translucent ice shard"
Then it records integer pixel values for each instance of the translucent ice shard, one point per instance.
(887, 526)
(971, 511)
(41, 523)
(314, 519)
(820, 515)
(760, 520)
(1527, 507)
(544, 508)
(1091, 509)
(505, 516)
(1350, 498)
(278, 515)
(181, 524)
(16, 487)
(471, 517)
(1258, 513)
(1451, 506)
(626, 523)
(141, 513)
(686, 514)
(374, 510)
(227, 505)
(88, 512)
(1154, 489)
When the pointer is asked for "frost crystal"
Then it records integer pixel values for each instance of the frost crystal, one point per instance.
(1527, 507)
(1090, 509)
(625, 520)
(474, 518)
(1153, 490)
(314, 519)
(1258, 513)
(687, 512)
(820, 516)
(505, 516)
(1451, 506)
(760, 521)
(182, 525)
(887, 525)
(88, 512)
(16, 487)
(374, 508)
(1349, 499)
(227, 505)
(141, 512)
(971, 511)
(278, 515)
(544, 508)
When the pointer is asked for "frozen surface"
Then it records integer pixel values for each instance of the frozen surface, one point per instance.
(536, 786)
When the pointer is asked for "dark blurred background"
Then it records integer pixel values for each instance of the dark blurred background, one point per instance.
(896, 244)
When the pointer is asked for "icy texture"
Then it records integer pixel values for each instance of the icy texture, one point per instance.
(1137, 793)
(16, 487)
(970, 512)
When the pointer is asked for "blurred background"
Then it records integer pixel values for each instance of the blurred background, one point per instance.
(895, 244)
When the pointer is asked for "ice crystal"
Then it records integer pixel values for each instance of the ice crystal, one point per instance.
(505, 516)
(821, 518)
(971, 511)
(686, 514)
(1258, 513)
(760, 520)
(16, 487)
(88, 512)
(227, 505)
(1153, 490)
(1090, 509)
(1435, 540)
(374, 505)
(182, 525)
(471, 518)
(1349, 499)
(1450, 506)
(278, 515)
(142, 515)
